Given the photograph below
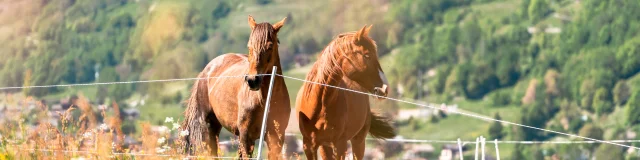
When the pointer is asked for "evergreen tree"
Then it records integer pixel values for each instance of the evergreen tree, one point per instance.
(496, 129)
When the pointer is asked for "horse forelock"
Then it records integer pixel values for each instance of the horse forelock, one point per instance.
(260, 37)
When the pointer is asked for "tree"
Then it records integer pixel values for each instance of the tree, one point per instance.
(496, 129)
(530, 95)
(609, 152)
(551, 81)
(591, 131)
(621, 93)
(537, 10)
(586, 94)
(517, 152)
(632, 111)
(601, 102)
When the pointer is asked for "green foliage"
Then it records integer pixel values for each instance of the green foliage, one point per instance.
(501, 97)
(632, 110)
(517, 152)
(496, 129)
(536, 115)
(537, 10)
(591, 131)
(621, 93)
(602, 102)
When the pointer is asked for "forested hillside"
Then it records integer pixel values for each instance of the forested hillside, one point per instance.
(565, 65)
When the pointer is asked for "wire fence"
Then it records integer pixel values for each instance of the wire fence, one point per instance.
(469, 114)
(126, 82)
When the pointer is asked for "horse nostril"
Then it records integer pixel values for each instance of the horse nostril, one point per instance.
(253, 82)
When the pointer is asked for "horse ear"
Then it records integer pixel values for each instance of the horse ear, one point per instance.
(252, 22)
(279, 25)
(362, 33)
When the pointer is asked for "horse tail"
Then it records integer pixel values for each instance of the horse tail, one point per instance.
(194, 127)
(381, 127)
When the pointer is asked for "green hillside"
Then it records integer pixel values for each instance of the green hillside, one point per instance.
(566, 65)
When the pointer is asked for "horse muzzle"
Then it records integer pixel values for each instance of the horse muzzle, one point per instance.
(381, 91)
(253, 82)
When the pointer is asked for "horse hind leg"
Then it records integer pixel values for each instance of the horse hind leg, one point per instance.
(214, 132)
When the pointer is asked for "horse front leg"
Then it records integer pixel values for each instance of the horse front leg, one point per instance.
(276, 126)
(245, 148)
(275, 139)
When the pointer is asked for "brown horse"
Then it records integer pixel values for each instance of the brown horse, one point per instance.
(238, 104)
(330, 117)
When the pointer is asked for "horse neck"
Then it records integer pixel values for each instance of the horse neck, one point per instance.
(277, 63)
(326, 71)
(278, 79)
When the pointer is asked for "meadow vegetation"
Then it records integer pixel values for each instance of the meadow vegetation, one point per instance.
(566, 65)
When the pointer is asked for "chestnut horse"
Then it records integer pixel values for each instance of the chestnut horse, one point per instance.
(329, 117)
(237, 104)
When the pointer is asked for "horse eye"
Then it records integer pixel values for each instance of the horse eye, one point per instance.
(366, 56)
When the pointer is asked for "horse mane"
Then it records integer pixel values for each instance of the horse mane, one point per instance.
(327, 64)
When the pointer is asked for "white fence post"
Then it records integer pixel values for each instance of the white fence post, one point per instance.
(477, 145)
(266, 112)
(482, 139)
(497, 151)
(460, 149)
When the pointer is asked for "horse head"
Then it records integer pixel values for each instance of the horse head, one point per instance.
(263, 50)
(361, 64)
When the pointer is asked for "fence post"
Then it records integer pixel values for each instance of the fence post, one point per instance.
(266, 112)
(477, 143)
(482, 141)
(497, 151)
(460, 149)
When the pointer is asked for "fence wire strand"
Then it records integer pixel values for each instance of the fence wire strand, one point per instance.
(461, 113)
(126, 82)
(470, 114)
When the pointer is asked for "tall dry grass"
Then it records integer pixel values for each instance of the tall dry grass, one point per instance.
(84, 137)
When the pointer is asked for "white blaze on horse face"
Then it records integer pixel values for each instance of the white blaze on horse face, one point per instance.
(383, 77)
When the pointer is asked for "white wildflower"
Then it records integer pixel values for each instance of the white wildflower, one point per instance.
(104, 127)
(87, 134)
(163, 129)
(168, 120)
(161, 140)
(160, 150)
(184, 133)
(175, 126)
